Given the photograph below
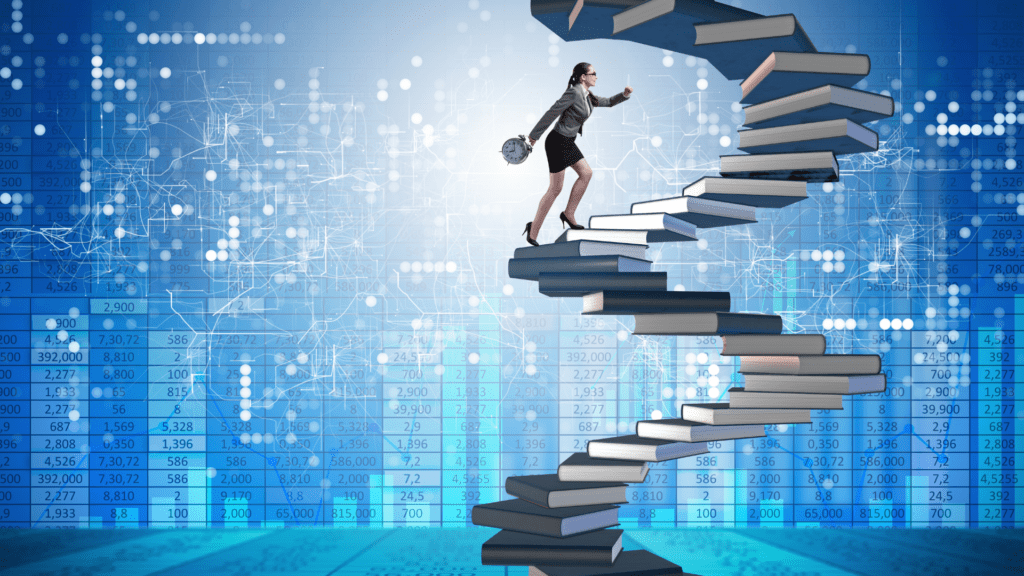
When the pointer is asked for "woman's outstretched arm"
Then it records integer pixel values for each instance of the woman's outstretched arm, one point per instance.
(617, 99)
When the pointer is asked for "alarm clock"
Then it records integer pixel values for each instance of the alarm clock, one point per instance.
(516, 150)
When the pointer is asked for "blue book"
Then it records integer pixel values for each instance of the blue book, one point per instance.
(531, 268)
(563, 285)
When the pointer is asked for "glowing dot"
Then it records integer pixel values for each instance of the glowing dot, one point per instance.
(165, 72)
(74, 415)
(268, 141)
(200, 38)
(884, 323)
(245, 415)
(473, 358)
(896, 324)
(908, 324)
(656, 415)
(74, 347)
(507, 289)
(827, 324)
(702, 84)
(371, 301)
(51, 324)
(39, 130)
(416, 118)
(211, 175)
(245, 369)
(725, 141)
(211, 255)
(405, 84)
(268, 209)
(382, 358)
(417, 61)
(382, 95)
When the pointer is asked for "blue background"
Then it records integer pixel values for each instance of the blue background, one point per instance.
(263, 282)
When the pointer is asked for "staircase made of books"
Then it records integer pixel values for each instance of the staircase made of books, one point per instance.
(802, 112)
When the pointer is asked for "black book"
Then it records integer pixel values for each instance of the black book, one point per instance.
(548, 491)
(580, 467)
(632, 563)
(580, 283)
(802, 166)
(706, 323)
(523, 516)
(582, 248)
(772, 344)
(649, 302)
(531, 268)
(507, 548)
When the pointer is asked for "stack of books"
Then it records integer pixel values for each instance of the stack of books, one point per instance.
(802, 111)
(563, 524)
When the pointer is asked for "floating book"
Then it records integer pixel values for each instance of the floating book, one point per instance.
(740, 398)
(819, 104)
(839, 136)
(582, 248)
(772, 345)
(578, 284)
(707, 323)
(523, 516)
(620, 236)
(580, 467)
(645, 449)
(815, 384)
(632, 563)
(648, 302)
(741, 46)
(681, 430)
(548, 491)
(829, 365)
(659, 227)
(531, 268)
(803, 166)
(700, 212)
(669, 23)
(722, 414)
(509, 548)
(785, 73)
(756, 193)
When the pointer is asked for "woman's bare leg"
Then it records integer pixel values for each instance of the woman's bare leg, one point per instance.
(554, 188)
(578, 188)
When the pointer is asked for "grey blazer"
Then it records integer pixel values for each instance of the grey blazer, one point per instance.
(574, 108)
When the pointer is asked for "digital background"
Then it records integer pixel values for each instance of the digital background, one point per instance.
(254, 268)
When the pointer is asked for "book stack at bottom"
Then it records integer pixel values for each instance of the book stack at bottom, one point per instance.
(561, 526)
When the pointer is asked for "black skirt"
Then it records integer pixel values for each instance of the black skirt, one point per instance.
(562, 151)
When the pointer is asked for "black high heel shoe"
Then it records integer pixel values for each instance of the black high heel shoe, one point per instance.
(566, 221)
(527, 232)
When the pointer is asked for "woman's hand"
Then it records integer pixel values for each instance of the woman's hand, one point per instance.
(532, 141)
(627, 91)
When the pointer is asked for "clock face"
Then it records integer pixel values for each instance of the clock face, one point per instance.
(514, 150)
